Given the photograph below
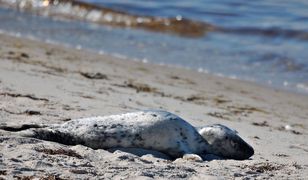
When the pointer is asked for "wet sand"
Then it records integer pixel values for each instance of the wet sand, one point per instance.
(47, 84)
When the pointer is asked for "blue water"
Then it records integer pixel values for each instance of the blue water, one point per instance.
(231, 13)
(265, 41)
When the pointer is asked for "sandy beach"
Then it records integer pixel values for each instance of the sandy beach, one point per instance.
(48, 84)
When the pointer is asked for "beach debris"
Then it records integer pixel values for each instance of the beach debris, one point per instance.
(262, 124)
(175, 77)
(298, 147)
(26, 112)
(78, 171)
(194, 98)
(32, 112)
(220, 115)
(290, 129)
(281, 155)
(30, 96)
(139, 87)
(67, 152)
(3, 172)
(297, 166)
(220, 100)
(263, 167)
(243, 110)
(24, 55)
(96, 75)
(47, 177)
(18, 55)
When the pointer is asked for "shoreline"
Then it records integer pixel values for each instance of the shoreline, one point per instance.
(298, 91)
(47, 84)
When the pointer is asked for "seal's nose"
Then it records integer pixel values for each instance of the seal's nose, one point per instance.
(247, 151)
(250, 151)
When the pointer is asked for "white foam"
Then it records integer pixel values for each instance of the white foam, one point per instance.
(120, 56)
(178, 17)
(233, 77)
(49, 41)
(108, 17)
(94, 15)
(202, 70)
(79, 47)
(101, 52)
(219, 75)
(302, 86)
(144, 60)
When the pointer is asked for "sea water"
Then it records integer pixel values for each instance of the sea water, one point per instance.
(264, 41)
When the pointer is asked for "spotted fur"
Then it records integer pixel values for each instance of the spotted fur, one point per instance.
(153, 130)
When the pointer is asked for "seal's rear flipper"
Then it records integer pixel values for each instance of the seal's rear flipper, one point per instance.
(25, 130)
(16, 128)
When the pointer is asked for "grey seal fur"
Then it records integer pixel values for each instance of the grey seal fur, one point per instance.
(153, 130)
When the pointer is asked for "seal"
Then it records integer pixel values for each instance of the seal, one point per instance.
(152, 130)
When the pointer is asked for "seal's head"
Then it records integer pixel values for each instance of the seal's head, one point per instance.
(225, 142)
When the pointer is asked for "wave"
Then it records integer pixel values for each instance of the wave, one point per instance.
(78, 10)
(83, 11)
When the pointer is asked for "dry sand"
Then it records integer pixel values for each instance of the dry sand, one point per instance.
(41, 83)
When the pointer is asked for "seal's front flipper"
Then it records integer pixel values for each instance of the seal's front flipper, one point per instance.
(192, 157)
(141, 152)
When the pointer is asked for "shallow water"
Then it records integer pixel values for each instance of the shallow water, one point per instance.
(262, 41)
